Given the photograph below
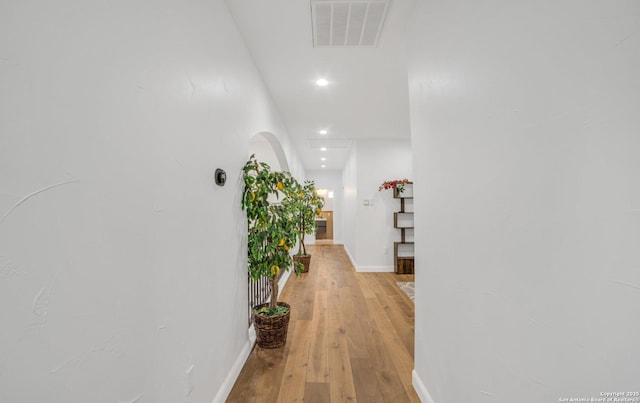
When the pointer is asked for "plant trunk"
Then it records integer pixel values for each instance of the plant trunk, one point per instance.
(304, 250)
(274, 292)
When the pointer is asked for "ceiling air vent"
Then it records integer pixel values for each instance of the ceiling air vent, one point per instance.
(347, 23)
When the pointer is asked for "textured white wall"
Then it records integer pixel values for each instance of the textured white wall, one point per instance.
(263, 151)
(122, 265)
(525, 130)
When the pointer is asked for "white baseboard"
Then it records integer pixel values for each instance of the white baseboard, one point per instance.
(335, 242)
(283, 280)
(234, 372)
(421, 390)
(367, 269)
(231, 378)
(374, 269)
(353, 262)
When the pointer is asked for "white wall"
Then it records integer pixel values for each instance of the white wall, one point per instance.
(525, 128)
(370, 242)
(264, 152)
(331, 180)
(349, 204)
(121, 264)
(379, 160)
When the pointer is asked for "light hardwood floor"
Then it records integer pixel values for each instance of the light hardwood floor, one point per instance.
(350, 339)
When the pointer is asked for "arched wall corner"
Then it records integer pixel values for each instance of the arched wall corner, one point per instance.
(268, 148)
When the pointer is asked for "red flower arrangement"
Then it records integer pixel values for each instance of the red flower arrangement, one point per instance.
(394, 184)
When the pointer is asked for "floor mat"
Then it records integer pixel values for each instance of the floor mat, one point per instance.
(409, 288)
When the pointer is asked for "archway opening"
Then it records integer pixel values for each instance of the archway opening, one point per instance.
(267, 148)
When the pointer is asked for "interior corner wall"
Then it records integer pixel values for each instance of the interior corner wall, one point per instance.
(349, 204)
(525, 121)
(378, 161)
(122, 264)
(296, 166)
(368, 228)
(331, 179)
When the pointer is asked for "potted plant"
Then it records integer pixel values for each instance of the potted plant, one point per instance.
(272, 231)
(308, 205)
(397, 185)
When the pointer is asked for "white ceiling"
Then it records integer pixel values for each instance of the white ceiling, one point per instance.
(367, 95)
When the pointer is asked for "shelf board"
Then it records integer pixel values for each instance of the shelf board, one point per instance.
(404, 265)
(406, 222)
(397, 195)
(403, 251)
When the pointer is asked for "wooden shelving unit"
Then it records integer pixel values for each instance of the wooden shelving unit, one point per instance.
(403, 251)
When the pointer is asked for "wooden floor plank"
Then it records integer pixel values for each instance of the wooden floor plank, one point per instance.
(403, 361)
(365, 381)
(350, 339)
(318, 369)
(353, 309)
(394, 307)
(316, 392)
(340, 375)
(292, 388)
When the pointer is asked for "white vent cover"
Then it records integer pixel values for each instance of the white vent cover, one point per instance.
(347, 23)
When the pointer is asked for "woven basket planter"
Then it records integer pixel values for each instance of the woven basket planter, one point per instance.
(271, 331)
(305, 260)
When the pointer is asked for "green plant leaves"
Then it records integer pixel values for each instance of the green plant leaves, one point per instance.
(278, 310)
(271, 218)
(280, 211)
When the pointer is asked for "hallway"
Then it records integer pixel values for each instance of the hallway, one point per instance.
(350, 339)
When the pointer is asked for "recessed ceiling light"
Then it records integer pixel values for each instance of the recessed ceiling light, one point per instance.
(323, 159)
(321, 82)
(323, 132)
(323, 148)
(323, 166)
